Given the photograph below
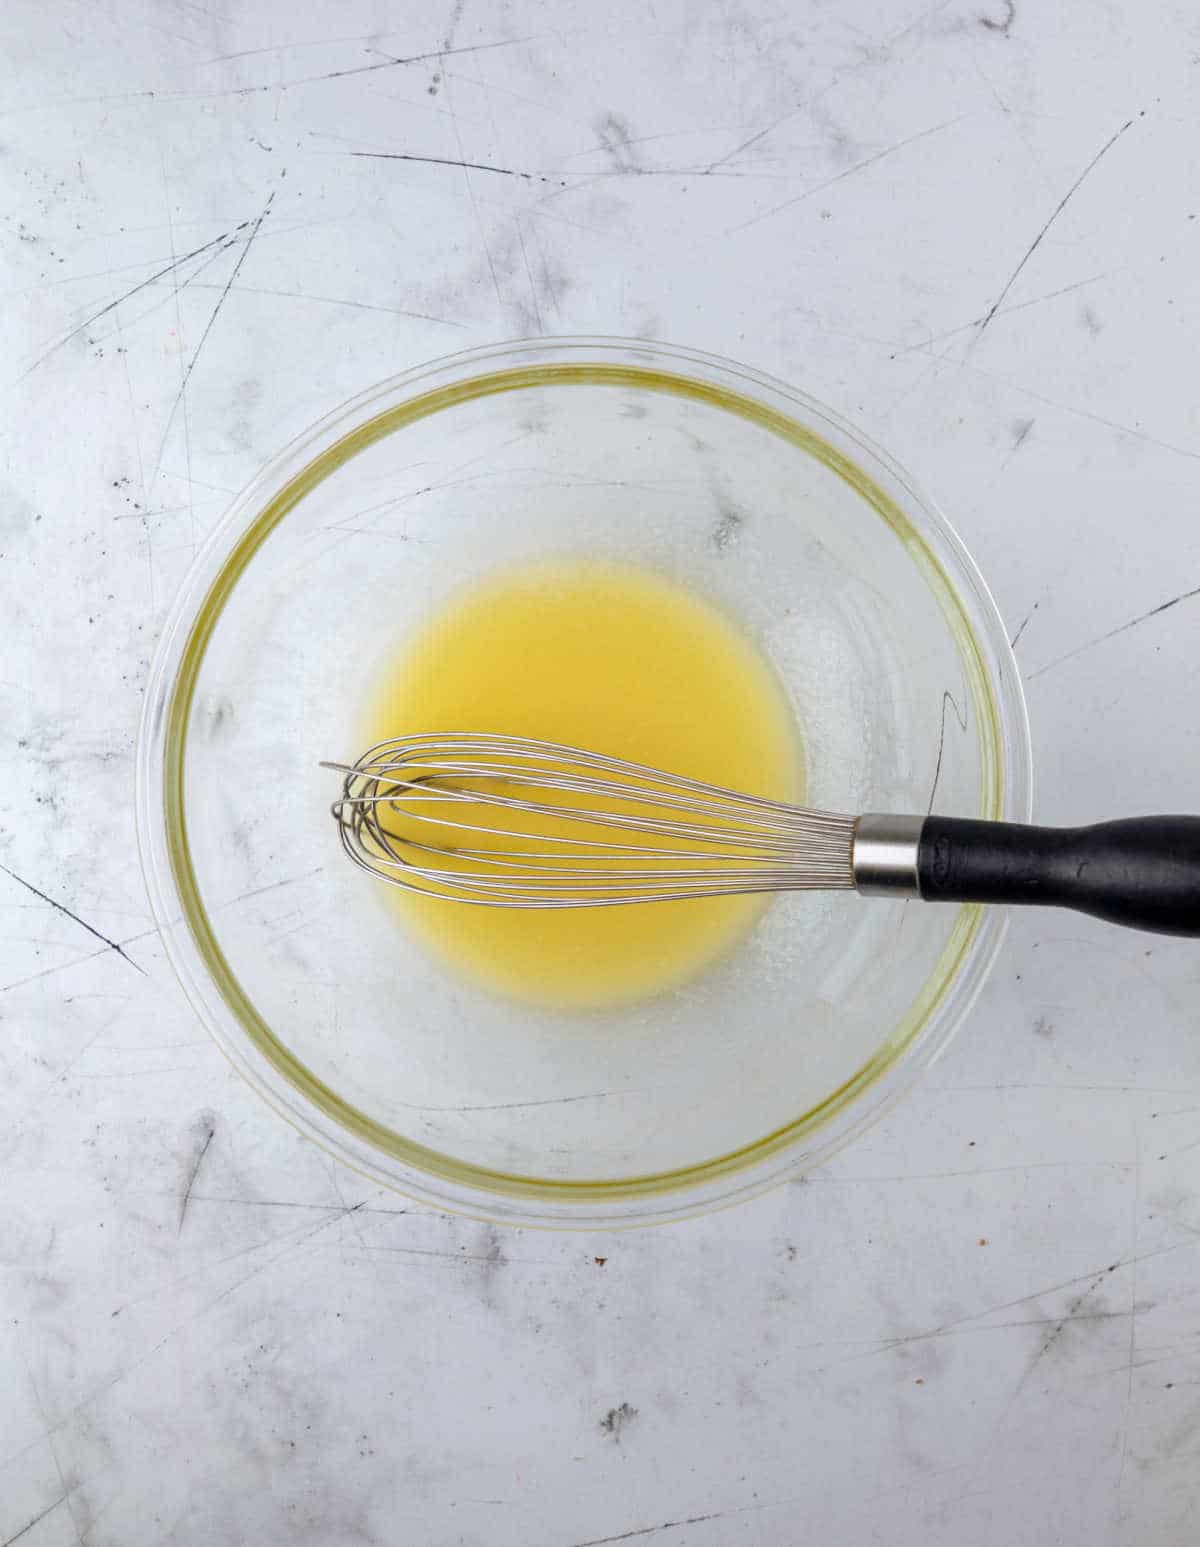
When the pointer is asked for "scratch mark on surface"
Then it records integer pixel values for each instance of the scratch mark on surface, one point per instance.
(1056, 1331)
(61, 1076)
(1007, 311)
(49, 972)
(147, 1074)
(296, 1235)
(889, 1344)
(490, 1260)
(429, 1251)
(83, 923)
(1049, 1289)
(221, 299)
(948, 700)
(691, 1520)
(917, 25)
(274, 886)
(450, 161)
(189, 282)
(896, 348)
(533, 295)
(290, 1242)
(334, 300)
(1131, 1350)
(666, 1525)
(959, 1326)
(279, 48)
(1141, 1090)
(1055, 213)
(142, 285)
(858, 166)
(48, 1432)
(1073, 1314)
(390, 63)
(513, 1106)
(216, 488)
(1016, 639)
(1083, 413)
(816, 1179)
(209, 1129)
(1184, 596)
(1068, 408)
(762, 134)
(493, 88)
(470, 186)
(25, 1529)
(280, 1203)
(356, 1223)
(555, 289)
(187, 429)
(393, 502)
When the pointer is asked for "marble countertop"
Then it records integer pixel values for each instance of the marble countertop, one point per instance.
(972, 226)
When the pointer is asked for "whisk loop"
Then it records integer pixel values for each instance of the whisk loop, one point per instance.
(513, 822)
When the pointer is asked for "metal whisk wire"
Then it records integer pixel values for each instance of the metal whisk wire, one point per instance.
(711, 841)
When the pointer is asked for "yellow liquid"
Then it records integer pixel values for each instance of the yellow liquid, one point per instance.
(613, 659)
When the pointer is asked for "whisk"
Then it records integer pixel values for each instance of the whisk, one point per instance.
(512, 822)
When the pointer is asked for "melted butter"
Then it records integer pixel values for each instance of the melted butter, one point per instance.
(613, 659)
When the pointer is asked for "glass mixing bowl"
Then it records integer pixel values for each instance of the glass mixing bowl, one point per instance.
(850, 582)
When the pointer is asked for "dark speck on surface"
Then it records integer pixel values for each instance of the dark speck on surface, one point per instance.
(616, 1421)
(1002, 24)
(219, 717)
(493, 1259)
(616, 136)
(729, 525)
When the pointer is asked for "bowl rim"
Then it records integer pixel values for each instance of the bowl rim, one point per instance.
(190, 943)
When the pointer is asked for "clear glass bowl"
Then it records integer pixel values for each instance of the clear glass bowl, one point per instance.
(762, 500)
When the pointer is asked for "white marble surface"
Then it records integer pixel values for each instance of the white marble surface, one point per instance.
(972, 226)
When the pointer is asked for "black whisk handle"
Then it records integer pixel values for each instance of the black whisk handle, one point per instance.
(1143, 872)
